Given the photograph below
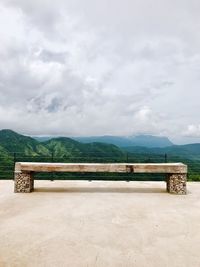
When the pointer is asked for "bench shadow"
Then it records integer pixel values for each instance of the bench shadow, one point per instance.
(99, 190)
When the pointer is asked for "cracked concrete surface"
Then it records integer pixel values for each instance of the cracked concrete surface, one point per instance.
(99, 224)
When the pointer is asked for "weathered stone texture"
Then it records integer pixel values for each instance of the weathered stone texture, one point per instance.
(176, 183)
(24, 182)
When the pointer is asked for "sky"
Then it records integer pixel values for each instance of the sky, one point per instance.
(109, 67)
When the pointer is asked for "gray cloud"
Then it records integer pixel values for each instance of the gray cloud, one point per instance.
(100, 67)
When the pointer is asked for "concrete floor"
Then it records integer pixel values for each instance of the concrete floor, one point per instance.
(99, 224)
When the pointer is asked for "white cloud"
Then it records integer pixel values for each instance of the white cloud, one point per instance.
(193, 130)
(99, 67)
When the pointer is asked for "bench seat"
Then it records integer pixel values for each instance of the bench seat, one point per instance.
(176, 172)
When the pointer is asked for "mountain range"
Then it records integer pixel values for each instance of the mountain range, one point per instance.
(121, 141)
(14, 146)
(11, 142)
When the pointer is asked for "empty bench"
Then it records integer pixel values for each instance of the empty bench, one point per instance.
(175, 179)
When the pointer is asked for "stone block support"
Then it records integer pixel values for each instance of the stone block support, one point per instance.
(176, 183)
(24, 182)
(176, 172)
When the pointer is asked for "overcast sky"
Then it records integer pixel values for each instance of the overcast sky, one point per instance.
(120, 67)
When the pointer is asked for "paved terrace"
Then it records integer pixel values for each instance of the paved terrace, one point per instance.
(99, 224)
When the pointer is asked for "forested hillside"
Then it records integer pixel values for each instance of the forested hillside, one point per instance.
(190, 151)
(123, 141)
(16, 147)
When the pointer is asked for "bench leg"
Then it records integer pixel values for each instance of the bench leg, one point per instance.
(176, 183)
(24, 182)
(32, 181)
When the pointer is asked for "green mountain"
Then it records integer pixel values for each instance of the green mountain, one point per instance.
(16, 147)
(190, 151)
(66, 147)
(14, 142)
(120, 141)
(62, 147)
(11, 141)
(123, 141)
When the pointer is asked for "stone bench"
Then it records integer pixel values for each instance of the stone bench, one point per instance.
(176, 172)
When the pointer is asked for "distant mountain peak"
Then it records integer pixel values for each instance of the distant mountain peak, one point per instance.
(152, 140)
(124, 141)
(9, 131)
